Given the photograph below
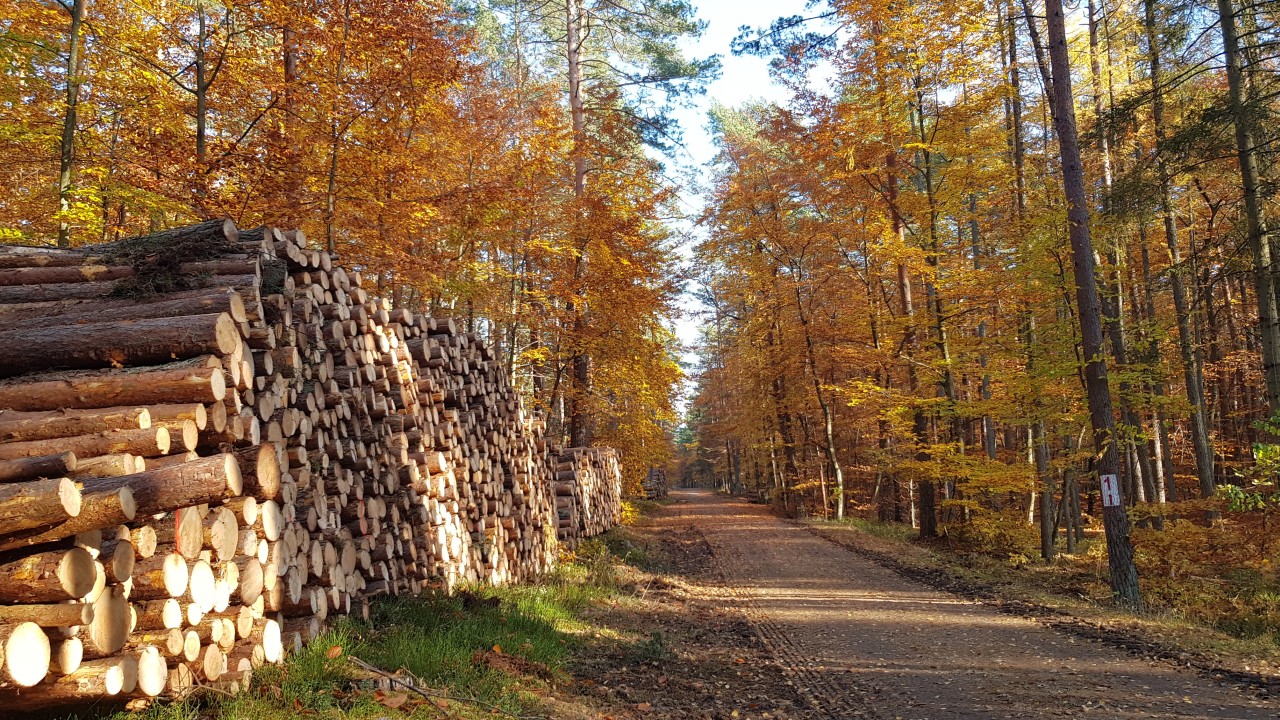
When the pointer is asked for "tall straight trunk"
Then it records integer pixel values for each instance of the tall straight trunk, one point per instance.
(946, 383)
(1255, 223)
(1124, 574)
(201, 91)
(1141, 480)
(67, 148)
(1040, 455)
(1191, 363)
(291, 150)
(1164, 454)
(828, 421)
(910, 343)
(335, 135)
(580, 361)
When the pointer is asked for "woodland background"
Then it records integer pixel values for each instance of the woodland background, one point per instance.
(492, 162)
(895, 325)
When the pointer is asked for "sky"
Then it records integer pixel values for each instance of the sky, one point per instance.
(741, 80)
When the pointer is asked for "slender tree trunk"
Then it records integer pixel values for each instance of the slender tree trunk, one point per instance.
(1191, 362)
(291, 150)
(1124, 574)
(67, 149)
(335, 135)
(580, 361)
(1255, 222)
(828, 421)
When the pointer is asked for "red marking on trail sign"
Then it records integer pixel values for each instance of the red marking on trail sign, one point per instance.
(1110, 490)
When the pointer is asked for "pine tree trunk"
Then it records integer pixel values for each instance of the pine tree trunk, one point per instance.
(1124, 574)
(1255, 222)
(67, 154)
(1191, 364)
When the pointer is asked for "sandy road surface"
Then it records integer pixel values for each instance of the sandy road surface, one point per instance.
(864, 642)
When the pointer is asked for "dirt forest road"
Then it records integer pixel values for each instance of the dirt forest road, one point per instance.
(863, 642)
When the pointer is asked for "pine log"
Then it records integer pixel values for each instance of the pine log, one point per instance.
(153, 671)
(260, 467)
(118, 559)
(47, 577)
(46, 275)
(168, 488)
(160, 577)
(107, 466)
(110, 627)
(94, 680)
(115, 344)
(26, 653)
(29, 468)
(66, 655)
(190, 381)
(151, 442)
(20, 426)
(14, 294)
(48, 615)
(97, 273)
(221, 533)
(25, 505)
(192, 302)
(99, 508)
(163, 614)
(171, 416)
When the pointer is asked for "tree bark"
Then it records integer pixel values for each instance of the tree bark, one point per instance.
(48, 577)
(114, 344)
(166, 489)
(22, 426)
(1191, 364)
(191, 381)
(151, 442)
(30, 468)
(98, 509)
(25, 505)
(67, 148)
(1124, 574)
(1255, 221)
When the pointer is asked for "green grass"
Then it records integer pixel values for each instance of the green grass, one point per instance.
(886, 530)
(497, 647)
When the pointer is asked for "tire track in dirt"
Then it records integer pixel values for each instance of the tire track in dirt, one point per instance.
(824, 696)
(861, 641)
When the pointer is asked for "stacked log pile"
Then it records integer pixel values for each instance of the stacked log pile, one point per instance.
(588, 493)
(655, 484)
(211, 439)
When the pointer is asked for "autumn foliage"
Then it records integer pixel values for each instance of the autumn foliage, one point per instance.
(429, 143)
(893, 327)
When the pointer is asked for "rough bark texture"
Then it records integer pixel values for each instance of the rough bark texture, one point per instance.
(1124, 574)
(119, 343)
(192, 381)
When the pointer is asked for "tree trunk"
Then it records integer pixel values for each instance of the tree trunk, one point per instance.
(191, 381)
(1255, 221)
(67, 154)
(1124, 574)
(1191, 364)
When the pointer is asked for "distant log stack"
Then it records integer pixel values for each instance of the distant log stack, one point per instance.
(655, 484)
(211, 439)
(588, 493)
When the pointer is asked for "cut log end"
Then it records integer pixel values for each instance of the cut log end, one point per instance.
(27, 654)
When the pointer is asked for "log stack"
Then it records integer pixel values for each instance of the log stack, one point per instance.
(588, 493)
(211, 439)
(655, 485)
